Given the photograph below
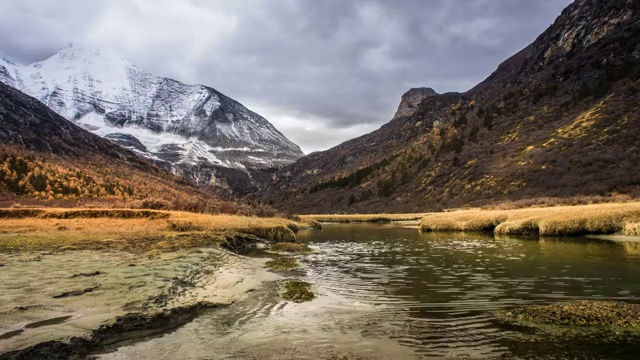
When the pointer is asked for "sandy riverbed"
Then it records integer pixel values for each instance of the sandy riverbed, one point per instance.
(76, 297)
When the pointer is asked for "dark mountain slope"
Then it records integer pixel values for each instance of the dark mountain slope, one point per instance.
(558, 119)
(45, 159)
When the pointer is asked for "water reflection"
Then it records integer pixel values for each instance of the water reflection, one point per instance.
(388, 292)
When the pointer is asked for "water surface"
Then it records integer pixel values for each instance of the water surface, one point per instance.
(390, 292)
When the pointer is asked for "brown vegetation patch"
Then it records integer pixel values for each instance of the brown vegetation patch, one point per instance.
(20, 213)
(184, 226)
(81, 214)
(109, 213)
(88, 179)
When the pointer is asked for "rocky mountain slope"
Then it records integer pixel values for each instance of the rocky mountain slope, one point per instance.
(410, 101)
(47, 160)
(560, 118)
(192, 130)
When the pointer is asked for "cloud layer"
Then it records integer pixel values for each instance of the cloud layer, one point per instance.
(321, 71)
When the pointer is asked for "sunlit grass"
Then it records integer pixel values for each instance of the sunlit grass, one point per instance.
(552, 221)
(65, 229)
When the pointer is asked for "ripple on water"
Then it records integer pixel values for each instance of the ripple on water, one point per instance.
(393, 293)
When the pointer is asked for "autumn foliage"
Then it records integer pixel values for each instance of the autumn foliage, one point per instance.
(27, 175)
(35, 178)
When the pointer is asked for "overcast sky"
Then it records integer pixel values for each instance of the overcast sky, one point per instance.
(322, 71)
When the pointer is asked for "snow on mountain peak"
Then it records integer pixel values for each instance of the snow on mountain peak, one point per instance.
(161, 119)
(86, 56)
(7, 59)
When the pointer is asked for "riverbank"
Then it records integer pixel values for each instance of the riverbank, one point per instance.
(76, 280)
(362, 218)
(597, 219)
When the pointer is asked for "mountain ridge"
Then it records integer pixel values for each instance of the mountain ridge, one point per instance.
(551, 121)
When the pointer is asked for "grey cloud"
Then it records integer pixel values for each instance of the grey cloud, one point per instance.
(337, 66)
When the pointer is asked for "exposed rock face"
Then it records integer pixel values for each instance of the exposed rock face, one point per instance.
(411, 99)
(26, 122)
(170, 123)
(559, 118)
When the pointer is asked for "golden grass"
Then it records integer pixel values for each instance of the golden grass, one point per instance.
(553, 221)
(632, 229)
(363, 218)
(55, 229)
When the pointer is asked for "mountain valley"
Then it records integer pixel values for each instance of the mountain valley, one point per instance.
(558, 119)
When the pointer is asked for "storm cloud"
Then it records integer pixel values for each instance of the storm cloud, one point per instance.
(322, 71)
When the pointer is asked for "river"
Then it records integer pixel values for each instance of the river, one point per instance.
(389, 292)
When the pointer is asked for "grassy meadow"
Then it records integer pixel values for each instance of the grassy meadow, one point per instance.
(133, 230)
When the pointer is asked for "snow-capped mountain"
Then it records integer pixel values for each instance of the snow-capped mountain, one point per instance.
(161, 119)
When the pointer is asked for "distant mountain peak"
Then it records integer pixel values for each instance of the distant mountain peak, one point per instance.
(411, 99)
(75, 52)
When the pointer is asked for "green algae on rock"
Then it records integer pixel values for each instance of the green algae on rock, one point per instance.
(585, 315)
(282, 263)
(291, 247)
(298, 292)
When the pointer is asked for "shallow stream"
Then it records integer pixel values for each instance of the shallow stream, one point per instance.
(388, 292)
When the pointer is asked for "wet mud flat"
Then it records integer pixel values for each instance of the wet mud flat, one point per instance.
(59, 305)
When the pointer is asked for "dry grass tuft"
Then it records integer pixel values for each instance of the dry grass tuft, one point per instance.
(554, 221)
(463, 222)
(184, 226)
(632, 229)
